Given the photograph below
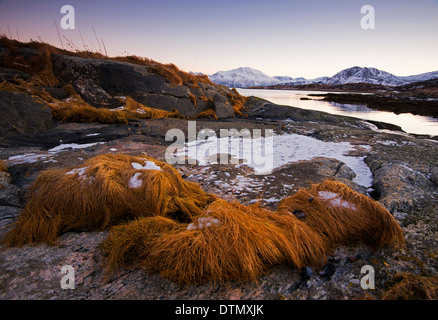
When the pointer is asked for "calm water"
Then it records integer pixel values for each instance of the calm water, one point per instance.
(408, 122)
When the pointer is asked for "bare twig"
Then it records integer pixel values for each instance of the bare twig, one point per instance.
(83, 42)
(106, 54)
(57, 30)
(98, 42)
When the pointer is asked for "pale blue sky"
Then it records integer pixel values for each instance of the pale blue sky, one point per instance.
(295, 38)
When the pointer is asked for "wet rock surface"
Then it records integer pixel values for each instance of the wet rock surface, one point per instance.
(404, 171)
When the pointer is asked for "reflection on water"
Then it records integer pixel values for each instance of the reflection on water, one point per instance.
(408, 122)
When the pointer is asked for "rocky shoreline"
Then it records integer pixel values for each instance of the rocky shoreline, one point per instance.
(405, 182)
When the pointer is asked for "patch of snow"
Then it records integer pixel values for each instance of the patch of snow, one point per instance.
(117, 109)
(79, 171)
(149, 165)
(327, 195)
(388, 143)
(265, 154)
(202, 223)
(113, 149)
(28, 158)
(92, 134)
(81, 174)
(71, 146)
(135, 182)
(335, 200)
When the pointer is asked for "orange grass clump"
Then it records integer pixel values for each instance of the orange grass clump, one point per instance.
(341, 215)
(229, 241)
(40, 65)
(408, 286)
(237, 102)
(207, 114)
(26, 87)
(188, 235)
(130, 243)
(136, 110)
(104, 190)
(3, 166)
(75, 109)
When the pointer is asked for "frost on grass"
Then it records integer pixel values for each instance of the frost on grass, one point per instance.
(202, 223)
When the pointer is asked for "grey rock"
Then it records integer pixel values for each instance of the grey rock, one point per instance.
(223, 110)
(94, 95)
(98, 81)
(22, 114)
(13, 75)
(260, 108)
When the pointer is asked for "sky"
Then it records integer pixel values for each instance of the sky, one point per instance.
(308, 39)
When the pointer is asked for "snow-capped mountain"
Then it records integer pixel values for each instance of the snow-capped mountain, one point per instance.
(421, 77)
(249, 77)
(365, 75)
(243, 77)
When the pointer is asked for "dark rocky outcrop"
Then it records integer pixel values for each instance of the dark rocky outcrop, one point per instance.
(98, 81)
(23, 114)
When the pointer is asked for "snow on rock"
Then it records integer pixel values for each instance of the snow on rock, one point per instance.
(72, 146)
(28, 158)
(286, 148)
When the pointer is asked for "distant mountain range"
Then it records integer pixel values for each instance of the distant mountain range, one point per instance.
(249, 77)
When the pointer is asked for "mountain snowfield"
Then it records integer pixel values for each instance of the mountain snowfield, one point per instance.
(249, 77)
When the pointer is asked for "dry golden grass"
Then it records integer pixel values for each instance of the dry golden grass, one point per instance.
(100, 193)
(129, 244)
(207, 114)
(26, 87)
(75, 109)
(169, 71)
(188, 235)
(228, 241)
(136, 110)
(347, 217)
(41, 65)
(408, 286)
(237, 102)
